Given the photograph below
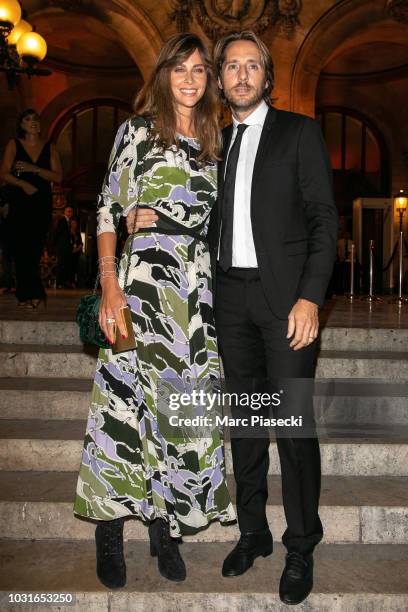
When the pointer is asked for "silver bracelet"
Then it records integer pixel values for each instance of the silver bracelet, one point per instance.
(108, 274)
(108, 265)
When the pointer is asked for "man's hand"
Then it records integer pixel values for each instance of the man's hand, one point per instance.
(303, 324)
(145, 217)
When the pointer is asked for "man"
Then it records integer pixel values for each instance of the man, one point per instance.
(273, 238)
(63, 247)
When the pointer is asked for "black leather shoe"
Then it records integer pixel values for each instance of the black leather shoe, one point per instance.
(297, 578)
(249, 547)
(110, 561)
(165, 548)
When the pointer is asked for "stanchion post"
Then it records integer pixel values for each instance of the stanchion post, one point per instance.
(350, 296)
(400, 300)
(371, 297)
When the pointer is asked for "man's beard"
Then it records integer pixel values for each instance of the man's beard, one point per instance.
(241, 104)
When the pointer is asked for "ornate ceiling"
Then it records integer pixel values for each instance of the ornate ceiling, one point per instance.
(218, 17)
(115, 36)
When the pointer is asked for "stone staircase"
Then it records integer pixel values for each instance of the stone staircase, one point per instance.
(362, 564)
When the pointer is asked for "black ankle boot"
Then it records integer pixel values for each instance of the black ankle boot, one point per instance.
(171, 565)
(110, 562)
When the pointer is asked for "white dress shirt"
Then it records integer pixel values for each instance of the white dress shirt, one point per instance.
(243, 249)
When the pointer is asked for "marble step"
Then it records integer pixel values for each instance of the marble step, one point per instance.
(385, 365)
(331, 338)
(44, 398)
(40, 332)
(351, 403)
(57, 444)
(360, 338)
(347, 578)
(353, 509)
(50, 361)
(69, 361)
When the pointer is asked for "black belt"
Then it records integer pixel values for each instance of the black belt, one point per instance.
(248, 275)
(174, 232)
(240, 270)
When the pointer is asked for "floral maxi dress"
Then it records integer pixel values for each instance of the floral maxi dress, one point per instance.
(130, 463)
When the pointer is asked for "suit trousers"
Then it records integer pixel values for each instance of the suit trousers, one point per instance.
(64, 266)
(255, 352)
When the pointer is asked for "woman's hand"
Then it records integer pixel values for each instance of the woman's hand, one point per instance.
(110, 313)
(145, 217)
(28, 188)
(22, 166)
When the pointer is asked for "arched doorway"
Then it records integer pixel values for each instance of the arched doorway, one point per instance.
(344, 25)
(84, 138)
(361, 96)
(358, 155)
(360, 162)
(351, 72)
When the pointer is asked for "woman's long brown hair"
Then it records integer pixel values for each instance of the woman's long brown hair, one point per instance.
(156, 100)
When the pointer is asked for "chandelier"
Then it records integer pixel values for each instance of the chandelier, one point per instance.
(21, 49)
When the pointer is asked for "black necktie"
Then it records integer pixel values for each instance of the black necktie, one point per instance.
(225, 260)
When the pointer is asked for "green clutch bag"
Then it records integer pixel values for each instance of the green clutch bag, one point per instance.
(87, 317)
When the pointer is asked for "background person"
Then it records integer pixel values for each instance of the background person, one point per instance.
(76, 250)
(63, 248)
(29, 166)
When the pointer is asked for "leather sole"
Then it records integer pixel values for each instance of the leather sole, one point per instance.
(298, 601)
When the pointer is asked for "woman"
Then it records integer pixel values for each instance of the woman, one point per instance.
(76, 250)
(132, 465)
(30, 164)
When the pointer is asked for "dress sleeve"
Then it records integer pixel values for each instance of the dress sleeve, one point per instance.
(120, 186)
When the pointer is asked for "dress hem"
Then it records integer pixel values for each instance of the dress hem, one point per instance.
(227, 521)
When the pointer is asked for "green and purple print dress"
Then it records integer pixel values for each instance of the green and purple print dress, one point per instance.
(130, 464)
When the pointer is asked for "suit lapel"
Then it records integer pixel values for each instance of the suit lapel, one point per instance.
(227, 135)
(268, 129)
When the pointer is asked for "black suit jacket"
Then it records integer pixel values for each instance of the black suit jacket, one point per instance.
(293, 214)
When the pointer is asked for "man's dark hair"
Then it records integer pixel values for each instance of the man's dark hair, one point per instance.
(266, 58)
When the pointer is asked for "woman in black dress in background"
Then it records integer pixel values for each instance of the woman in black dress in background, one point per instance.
(30, 164)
